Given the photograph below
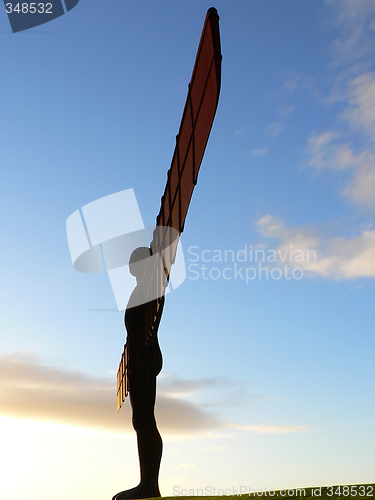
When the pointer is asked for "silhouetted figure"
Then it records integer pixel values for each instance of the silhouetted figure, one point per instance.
(144, 364)
(142, 355)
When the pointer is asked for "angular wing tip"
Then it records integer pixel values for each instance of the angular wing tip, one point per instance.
(212, 12)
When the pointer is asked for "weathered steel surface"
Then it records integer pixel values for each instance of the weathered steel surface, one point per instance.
(196, 123)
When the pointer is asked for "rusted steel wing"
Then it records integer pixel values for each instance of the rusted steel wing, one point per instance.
(196, 123)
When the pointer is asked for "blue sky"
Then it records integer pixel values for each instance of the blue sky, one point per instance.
(265, 384)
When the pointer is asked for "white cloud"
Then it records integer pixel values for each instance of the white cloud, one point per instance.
(361, 109)
(274, 129)
(325, 151)
(185, 466)
(336, 257)
(298, 81)
(354, 17)
(361, 190)
(331, 150)
(258, 152)
(348, 11)
(353, 48)
(240, 131)
(290, 85)
(285, 110)
(349, 149)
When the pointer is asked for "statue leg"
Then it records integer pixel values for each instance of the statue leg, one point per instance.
(142, 385)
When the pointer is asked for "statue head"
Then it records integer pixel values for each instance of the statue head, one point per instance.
(138, 260)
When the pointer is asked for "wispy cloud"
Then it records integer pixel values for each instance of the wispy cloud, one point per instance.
(270, 429)
(174, 387)
(210, 448)
(336, 257)
(274, 129)
(361, 109)
(32, 390)
(330, 149)
(326, 152)
(356, 18)
(348, 149)
(298, 81)
(186, 466)
(258, 152)
(240, 131)
(285, 110)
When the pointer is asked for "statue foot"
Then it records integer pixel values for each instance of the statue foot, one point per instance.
(143, 490)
